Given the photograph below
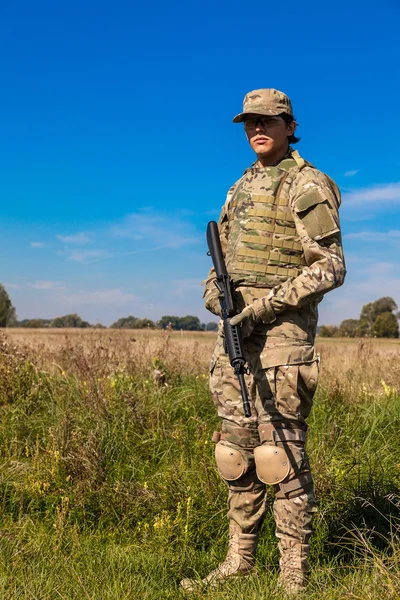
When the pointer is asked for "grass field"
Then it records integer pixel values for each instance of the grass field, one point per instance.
(108, 487)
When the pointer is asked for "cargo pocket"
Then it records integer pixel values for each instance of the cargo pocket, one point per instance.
(308, 378)
(292, 396)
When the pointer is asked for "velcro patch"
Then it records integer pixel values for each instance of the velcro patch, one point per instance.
(316, 215)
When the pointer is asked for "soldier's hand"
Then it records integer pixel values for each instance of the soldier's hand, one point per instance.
(260, 310)
(246, 319)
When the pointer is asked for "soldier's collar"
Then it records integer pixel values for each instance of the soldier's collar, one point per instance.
(288, 156)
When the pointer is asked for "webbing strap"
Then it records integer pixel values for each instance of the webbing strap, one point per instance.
(263, 199)
(272, 254)
(257, 239)
(286, 271)
(285, 230)
(299, 161)
(267, 239)
(266, 269)
(271, 433)
(289, 230)
(278, 194)
(261, 226)
(282, 201)
(269, 213)
(300, 484)
(289, 244)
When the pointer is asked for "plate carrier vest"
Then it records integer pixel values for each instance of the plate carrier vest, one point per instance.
(263, 247)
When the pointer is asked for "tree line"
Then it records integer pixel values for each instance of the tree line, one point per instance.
(8, 318)
(377, 319)
(188, 323)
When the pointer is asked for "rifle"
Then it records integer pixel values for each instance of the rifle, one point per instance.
(233, 334)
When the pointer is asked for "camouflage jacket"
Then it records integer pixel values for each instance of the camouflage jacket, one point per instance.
(290, 338)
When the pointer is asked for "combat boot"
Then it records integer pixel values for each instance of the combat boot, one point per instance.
(294, 565)
(239, 560)
(293, 517)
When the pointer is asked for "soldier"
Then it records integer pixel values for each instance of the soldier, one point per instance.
(280, 234)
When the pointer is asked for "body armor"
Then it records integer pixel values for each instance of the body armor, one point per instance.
(263, 247)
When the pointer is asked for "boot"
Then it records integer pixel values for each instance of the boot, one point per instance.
(239, 560)
(293, 518)
(293, 563)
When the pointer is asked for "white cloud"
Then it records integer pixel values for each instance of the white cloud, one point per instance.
(38, 245)
(89, 256)
(163, 230)
(47, 285)
(48, 299)
(12, 286)
(389, 192)
(78, 238)
(375, 236)
(183, 287)
(351, 173)
(382, 268)
(112, 297)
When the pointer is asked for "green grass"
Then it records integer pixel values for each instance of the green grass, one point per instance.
(108, 488)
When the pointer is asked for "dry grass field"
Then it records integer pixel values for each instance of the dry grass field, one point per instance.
(108, 487)
(349, 362)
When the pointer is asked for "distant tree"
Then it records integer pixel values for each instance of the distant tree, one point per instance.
(328, 331)
(125, 323)
(168, 321)
(145, 323)
(72, 320)
(188, 323)
(349, 328)
(34, 323)
(385, 325)
(8, 317)
(98, 326)
(132, 323)
(371, 311)
(211, 326)
(364, 328)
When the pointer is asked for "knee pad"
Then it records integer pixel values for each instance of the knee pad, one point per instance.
(281, 459)
(234, 453)
(231, 461)
(272, 464)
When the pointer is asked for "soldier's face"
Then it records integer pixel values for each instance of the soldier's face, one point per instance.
(268, 136)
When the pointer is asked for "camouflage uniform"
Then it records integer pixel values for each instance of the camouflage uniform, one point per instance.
(280, 235)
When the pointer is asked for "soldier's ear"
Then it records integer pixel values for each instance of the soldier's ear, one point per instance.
(291, 127)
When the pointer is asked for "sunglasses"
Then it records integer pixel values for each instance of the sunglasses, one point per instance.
(255, 122)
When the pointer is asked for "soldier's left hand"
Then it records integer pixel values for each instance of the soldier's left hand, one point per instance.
(260, 310)
(246, 319)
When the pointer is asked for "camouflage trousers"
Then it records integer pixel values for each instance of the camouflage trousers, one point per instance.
(281, 399)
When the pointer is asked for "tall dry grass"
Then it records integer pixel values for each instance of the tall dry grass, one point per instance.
(108, 487)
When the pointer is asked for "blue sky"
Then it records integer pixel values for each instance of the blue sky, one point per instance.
(117, 145)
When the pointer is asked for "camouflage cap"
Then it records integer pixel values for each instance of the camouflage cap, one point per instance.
(265, 102)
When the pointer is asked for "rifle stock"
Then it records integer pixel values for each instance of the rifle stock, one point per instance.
(233, 335)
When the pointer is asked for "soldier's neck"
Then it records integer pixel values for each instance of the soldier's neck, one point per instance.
(270, 161)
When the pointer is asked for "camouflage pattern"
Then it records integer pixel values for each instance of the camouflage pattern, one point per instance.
(293, 519)
(314, 201)
(240, 560)
(276, 392)
(282, 395)
(265, 101)
(264, 248)
(278, 343)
